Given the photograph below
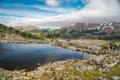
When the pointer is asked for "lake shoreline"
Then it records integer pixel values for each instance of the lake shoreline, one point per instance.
(51, 43)
(35, 54)
(85, 49)
(104, 66)
(63, 69)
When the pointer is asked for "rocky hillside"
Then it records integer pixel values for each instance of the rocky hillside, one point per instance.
(105, 31)
(9, 34)
(81, 26)
(112, 27)
(26, 28)
(106, 27)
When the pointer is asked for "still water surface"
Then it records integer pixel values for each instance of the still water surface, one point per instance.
(29, 56)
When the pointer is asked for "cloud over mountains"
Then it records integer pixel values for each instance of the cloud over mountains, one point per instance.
(95, 11)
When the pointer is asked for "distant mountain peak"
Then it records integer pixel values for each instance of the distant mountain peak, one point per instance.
(108, 27)
(26, 28)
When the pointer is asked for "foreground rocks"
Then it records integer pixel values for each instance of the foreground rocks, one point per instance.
(104, 67)
(101, 67)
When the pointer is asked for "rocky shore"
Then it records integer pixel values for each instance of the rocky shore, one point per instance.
(103, 67)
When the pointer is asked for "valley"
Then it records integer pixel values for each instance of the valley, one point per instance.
(103, 65)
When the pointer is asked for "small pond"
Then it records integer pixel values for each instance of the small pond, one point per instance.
(30, 56)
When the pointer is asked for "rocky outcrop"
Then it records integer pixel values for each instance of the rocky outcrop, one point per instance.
(110, 27)
(82, 26)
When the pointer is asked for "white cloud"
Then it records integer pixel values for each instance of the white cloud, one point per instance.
(55, 9)
(96, 11)
(52, 2)
(24, 13)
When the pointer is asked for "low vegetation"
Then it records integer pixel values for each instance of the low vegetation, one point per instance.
(8, 33)
(106, 65)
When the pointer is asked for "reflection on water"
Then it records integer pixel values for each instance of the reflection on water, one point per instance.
(28, 56)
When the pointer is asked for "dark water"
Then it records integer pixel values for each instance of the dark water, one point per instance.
(28, 56)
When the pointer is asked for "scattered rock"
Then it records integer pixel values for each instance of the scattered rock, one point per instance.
(115, 78)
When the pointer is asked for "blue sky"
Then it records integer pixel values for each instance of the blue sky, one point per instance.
(37, 8)
(56, 13)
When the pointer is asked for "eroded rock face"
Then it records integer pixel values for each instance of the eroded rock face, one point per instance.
(106, 27)
(82, 26)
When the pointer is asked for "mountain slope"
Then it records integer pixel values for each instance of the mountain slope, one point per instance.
(81, 26)
(106, 27)
(90, 30)
(9, 34)
(26, 28)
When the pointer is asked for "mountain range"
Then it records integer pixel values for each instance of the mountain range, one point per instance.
(110, 30)
(105, 27)
(106, 31)
(26, 28)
